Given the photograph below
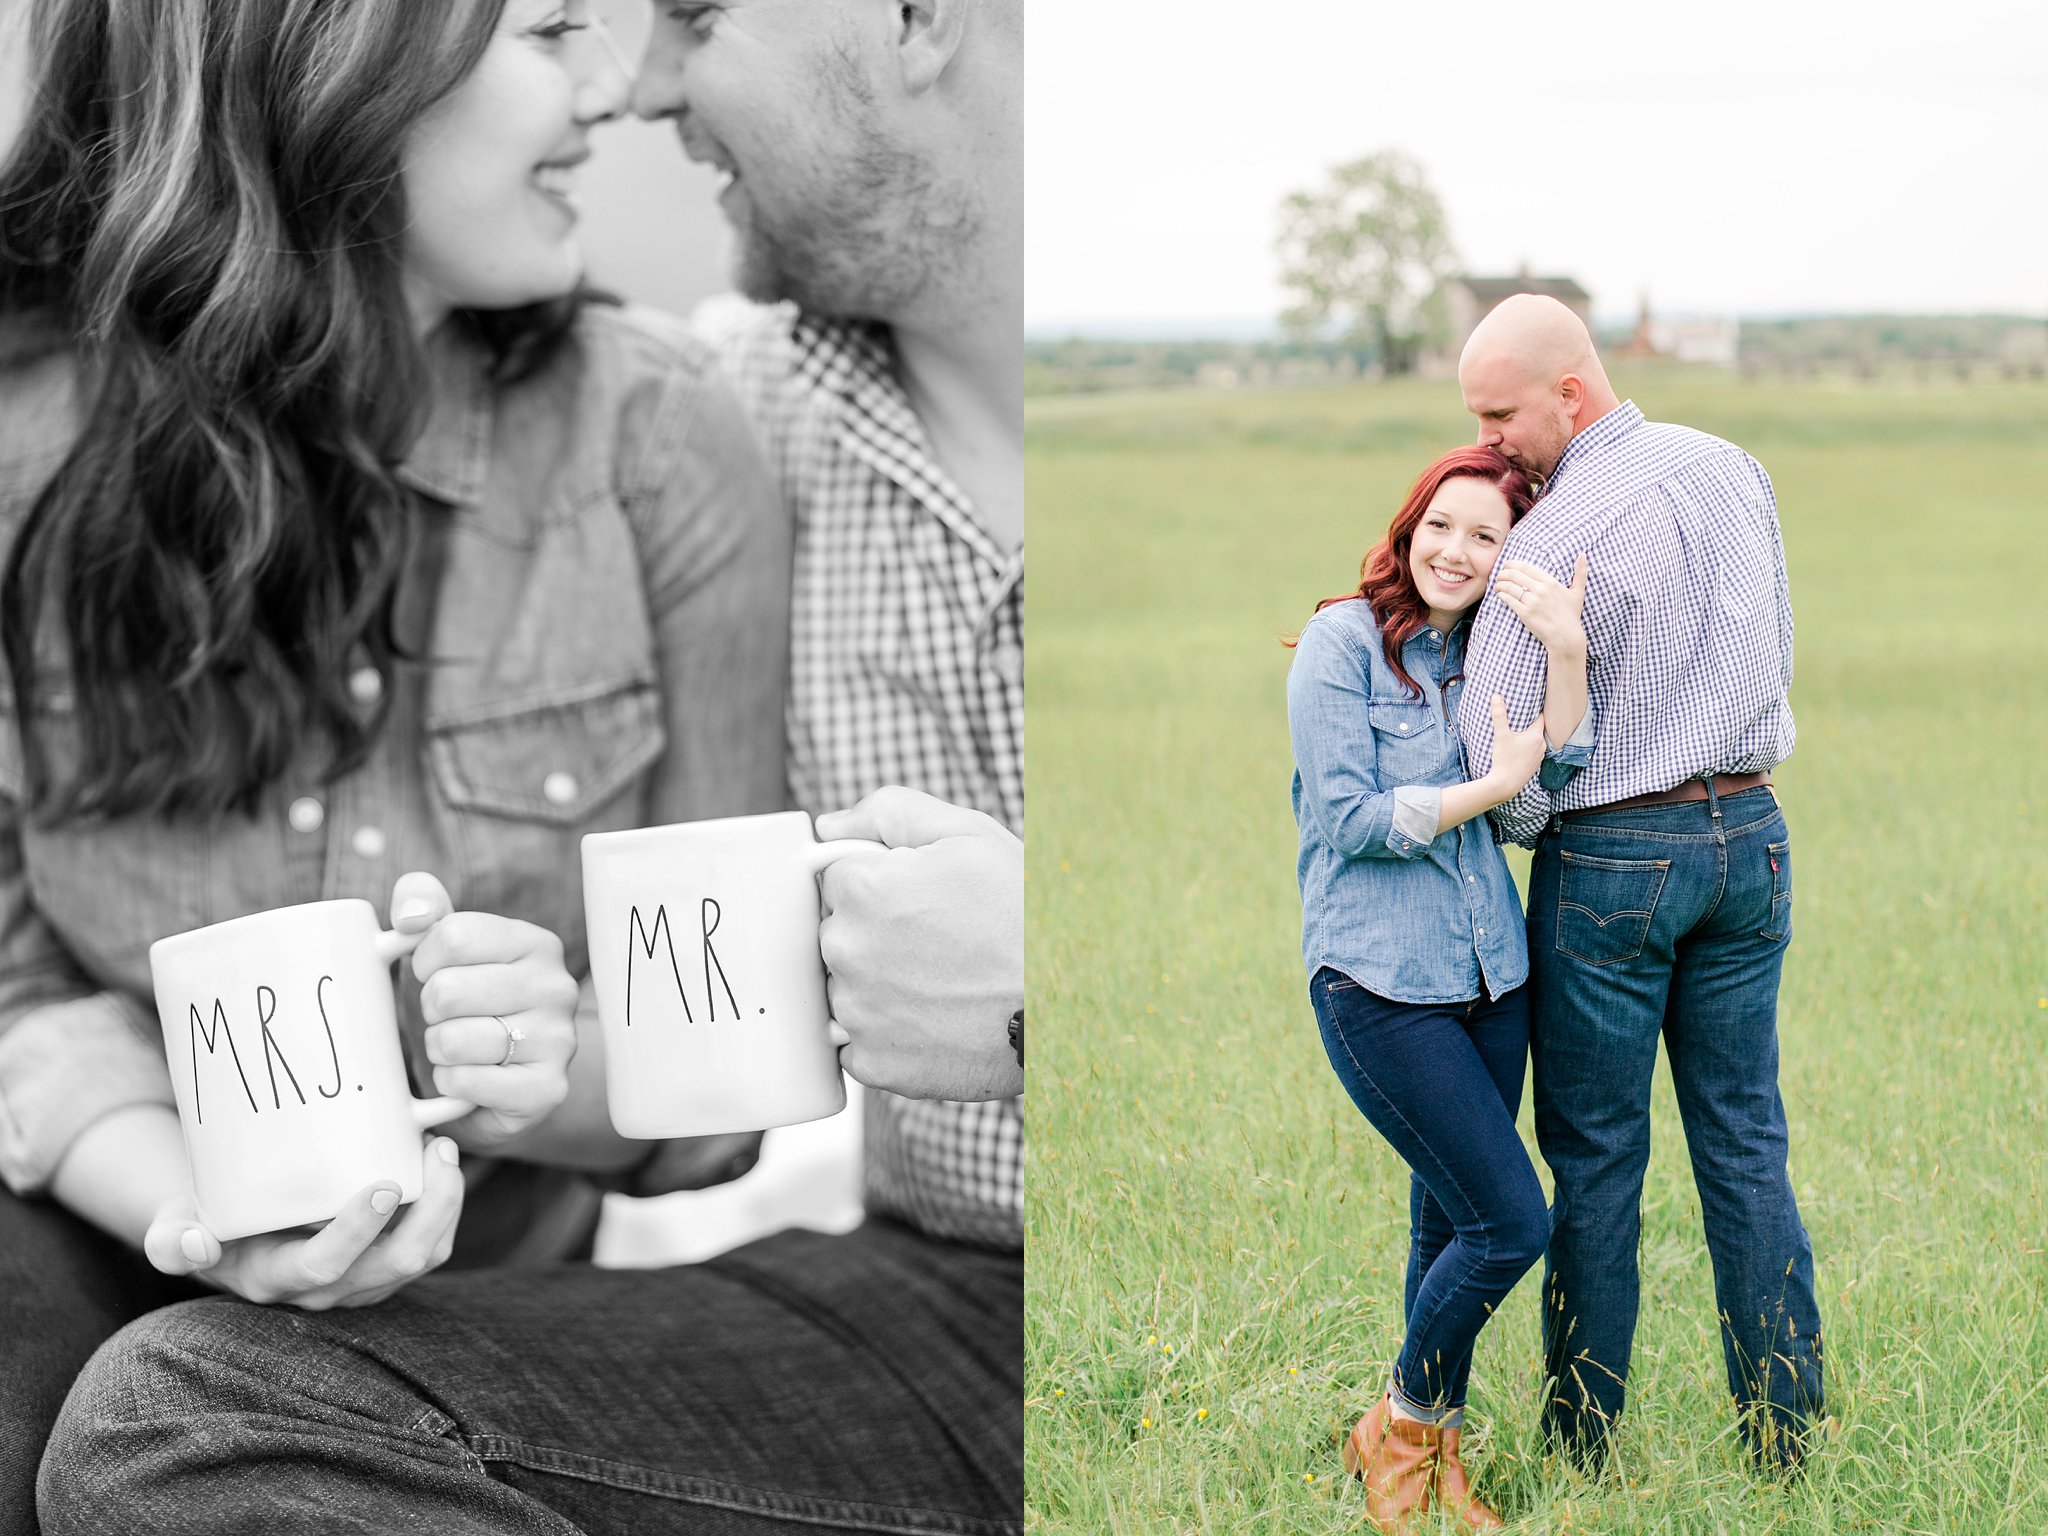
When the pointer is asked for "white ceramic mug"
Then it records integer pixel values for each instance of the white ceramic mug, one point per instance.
(281, 1030)
(704, 952)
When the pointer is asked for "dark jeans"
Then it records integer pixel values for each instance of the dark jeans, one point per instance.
(1441, 1082)
(870, 1382)
(1668, 920)
(65, 1288)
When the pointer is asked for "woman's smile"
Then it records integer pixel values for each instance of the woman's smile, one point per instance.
(556, 180)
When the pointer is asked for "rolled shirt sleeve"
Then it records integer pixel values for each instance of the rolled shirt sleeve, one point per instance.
(62, 1067)
(69, 1053)
(1328, 688)
(1562, 764)
(1418, 810)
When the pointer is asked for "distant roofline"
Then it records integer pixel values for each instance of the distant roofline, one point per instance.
(1501, 287)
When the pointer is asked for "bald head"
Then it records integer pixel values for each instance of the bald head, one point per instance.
(1531, 376)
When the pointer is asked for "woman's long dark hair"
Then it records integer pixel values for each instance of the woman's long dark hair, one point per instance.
(207, 194)
(1385, 581)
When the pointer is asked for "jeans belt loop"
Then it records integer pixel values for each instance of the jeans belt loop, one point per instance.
(1713, 804)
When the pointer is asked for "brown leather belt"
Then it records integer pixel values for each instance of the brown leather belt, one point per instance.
(1725, 784)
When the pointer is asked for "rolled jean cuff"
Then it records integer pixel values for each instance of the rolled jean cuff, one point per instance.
(1449, 1417)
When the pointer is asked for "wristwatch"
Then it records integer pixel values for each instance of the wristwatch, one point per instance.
(1017, 1035)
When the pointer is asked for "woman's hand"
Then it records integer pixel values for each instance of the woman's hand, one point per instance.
(1516, 754)
(1548, 609)
(350, 1262)
(500, 1007)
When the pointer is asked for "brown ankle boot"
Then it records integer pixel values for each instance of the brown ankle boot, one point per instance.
(1397, 1460)
(1454, 1487)
(1363, 1443)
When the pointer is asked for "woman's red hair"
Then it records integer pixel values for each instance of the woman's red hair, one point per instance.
(1384, 579)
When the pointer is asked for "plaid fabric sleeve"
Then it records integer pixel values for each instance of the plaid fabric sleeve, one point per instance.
(1504, 658)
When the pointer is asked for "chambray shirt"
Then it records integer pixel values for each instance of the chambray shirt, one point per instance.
(1688, 616)
(609, 650)
(1406, 912)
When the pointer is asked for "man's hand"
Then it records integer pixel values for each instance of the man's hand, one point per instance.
(925, 946)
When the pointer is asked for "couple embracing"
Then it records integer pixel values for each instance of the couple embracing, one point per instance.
(1597, 672)
(356, 550)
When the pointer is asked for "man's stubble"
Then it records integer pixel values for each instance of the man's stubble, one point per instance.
(871, 233)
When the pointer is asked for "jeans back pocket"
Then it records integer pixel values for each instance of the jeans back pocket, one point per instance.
(1778, 926)
(1604, 906)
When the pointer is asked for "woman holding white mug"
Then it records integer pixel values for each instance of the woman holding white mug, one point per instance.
(344, 536)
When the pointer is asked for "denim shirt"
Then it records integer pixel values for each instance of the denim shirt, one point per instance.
(1409, 913)
(609, 650)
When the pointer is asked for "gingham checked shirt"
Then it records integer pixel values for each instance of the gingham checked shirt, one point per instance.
(1688, 617)
(907, 667)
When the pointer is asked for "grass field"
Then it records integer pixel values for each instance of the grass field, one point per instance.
(1216, 1236)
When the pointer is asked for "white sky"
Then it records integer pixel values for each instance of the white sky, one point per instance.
(1746, 157)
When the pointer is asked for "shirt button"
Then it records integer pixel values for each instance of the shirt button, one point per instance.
(1404, 725)
(1471, 879)
(306, 814)
(1482, 933)
(365, 686)
(368, 843)
(559, 787)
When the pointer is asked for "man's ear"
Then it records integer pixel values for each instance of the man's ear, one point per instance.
(1571, 390)
(930, 34)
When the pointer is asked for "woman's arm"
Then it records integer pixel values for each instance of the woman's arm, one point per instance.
(71, 1055)
(1516, 756)
(1553, 613)
(87, 1116)
(1329, 689)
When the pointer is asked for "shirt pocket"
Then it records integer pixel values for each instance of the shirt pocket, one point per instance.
(1409, 742)
(521, 783)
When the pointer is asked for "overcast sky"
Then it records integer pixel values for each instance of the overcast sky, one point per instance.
(1752, 157)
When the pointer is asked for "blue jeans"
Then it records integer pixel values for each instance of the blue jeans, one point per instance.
(871, 1382)
(65, 1288)
(1671, 921)
(1441, 1082)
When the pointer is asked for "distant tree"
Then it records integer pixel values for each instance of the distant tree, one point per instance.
(1366, 255)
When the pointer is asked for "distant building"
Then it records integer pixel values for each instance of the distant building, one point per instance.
(1471, 297)
(1687, 341)
(1699, 341)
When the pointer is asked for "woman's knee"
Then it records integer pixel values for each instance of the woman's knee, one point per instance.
(1525, 1232)
(119, 1427)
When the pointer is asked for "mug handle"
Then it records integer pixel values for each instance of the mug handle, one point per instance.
(426, 1113)
(816, 858)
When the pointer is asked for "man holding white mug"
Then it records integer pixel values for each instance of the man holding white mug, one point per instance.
(926, 952)
(870, 1381)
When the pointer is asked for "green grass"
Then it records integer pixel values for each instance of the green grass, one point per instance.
(1216, 1236)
